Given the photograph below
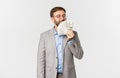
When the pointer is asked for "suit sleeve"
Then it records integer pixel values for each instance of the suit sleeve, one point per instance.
(75, 47)
(41, 58)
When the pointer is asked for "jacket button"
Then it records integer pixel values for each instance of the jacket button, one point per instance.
(56, 57)
(56, 67)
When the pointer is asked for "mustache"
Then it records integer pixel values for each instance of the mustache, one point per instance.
(57, 23)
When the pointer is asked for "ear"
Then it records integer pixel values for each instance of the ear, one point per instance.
(52, 19)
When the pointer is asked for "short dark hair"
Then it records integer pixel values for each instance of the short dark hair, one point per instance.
(56, 9)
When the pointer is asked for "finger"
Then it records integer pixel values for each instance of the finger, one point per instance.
(71, 33)
(68, 33)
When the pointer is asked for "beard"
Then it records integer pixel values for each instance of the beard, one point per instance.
(58, 22)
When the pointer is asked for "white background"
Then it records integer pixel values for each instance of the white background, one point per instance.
(96, 21)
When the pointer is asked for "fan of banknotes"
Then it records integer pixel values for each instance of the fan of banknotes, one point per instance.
(64, 26)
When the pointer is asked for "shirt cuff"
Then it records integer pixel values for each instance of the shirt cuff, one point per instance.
(71, 42)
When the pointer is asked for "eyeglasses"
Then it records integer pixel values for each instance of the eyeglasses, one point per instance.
(59, 16)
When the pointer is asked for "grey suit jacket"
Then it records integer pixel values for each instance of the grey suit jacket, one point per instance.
(47, 56)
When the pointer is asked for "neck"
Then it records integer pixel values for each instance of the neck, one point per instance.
(55, 27)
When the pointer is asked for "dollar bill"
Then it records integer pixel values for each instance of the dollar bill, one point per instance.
(64, 26)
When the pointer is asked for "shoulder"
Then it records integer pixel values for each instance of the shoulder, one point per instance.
(46, 32)
(75, 32)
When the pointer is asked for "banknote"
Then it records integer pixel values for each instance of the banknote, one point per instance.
(64, 26)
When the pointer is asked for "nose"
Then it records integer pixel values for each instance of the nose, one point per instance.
(63, 18)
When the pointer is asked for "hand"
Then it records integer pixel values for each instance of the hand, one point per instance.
(70, 35)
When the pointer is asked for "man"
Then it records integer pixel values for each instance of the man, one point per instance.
(55, 52)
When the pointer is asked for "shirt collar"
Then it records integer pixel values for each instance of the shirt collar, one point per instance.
(55, 32)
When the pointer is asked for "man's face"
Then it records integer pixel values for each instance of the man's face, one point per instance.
(58, 17)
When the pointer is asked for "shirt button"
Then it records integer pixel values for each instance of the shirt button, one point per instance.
(56, 67)
(56, 57)
(60, 67)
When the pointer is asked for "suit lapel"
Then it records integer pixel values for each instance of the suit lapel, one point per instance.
(53, 41)
(64, 41)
